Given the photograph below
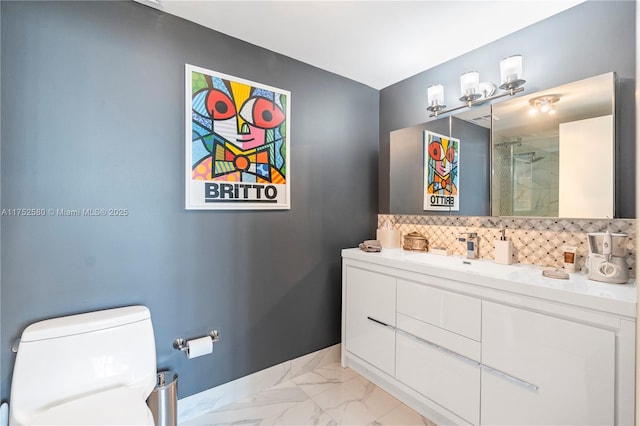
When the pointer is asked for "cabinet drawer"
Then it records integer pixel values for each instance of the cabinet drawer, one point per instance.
(454, 342)
(451, 311)
(440, 376)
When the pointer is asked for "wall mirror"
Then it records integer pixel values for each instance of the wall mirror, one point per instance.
(557, 163)
(406, 164)
(553, 152)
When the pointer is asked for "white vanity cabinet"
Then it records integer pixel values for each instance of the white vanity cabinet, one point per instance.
(472, 348)
(561, 372)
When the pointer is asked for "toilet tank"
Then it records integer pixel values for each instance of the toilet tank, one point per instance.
(67, 358)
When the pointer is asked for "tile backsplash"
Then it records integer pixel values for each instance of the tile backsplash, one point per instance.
(536, 241)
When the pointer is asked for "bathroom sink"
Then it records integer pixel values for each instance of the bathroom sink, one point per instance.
(460, 263)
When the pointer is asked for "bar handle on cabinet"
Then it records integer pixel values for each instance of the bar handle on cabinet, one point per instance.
(381, 323)
(510, 377)
(459, 356)
(440, 348)
(470, 361)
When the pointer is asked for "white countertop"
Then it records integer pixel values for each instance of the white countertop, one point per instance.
(521, 279)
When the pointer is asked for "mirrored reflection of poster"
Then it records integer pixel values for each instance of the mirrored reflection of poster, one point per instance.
(237, 143)
(441, 172)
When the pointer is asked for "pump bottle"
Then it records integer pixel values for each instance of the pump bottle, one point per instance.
(503, 250)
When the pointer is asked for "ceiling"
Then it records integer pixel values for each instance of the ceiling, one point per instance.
(377, 43)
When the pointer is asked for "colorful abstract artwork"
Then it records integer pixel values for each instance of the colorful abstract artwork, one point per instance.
(237, 143)
(441, 172)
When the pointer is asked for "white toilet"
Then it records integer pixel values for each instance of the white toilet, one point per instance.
(96, 368)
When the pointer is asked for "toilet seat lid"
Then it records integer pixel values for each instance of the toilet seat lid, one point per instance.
(120, 406)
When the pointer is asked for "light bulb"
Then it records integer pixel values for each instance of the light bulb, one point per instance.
(470, 83)
(511, 69)
(435, 95)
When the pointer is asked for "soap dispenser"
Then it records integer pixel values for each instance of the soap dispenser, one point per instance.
(503, 250)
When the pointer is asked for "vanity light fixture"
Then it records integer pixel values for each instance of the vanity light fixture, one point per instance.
(545, 103)
(475, 92)
(470, 86)
(435, 96)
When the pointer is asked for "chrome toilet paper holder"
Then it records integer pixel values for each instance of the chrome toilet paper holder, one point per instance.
(181, 344)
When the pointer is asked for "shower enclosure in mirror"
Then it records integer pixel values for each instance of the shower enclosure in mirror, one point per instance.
(553, 152)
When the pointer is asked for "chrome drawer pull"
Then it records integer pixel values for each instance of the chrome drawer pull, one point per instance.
(440, 348)
(510, 377)
(381, 323)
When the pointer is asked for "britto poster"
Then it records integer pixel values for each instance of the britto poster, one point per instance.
(237, 143)
(441, 172)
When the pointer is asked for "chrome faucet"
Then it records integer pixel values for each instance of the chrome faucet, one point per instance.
(472, 244)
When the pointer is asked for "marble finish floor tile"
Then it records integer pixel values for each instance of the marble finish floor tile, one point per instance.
(323, 378)
(305, 413)
(356, 402)
(328, 396)
(402, 415)
(257, 409)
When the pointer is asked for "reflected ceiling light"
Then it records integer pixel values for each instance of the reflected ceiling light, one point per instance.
(545, 103)
(475, 92)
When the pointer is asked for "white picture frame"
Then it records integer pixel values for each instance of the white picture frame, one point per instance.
(237, 143)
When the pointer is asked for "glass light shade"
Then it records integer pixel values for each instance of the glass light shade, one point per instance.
(470, 83)
(511, 69)
(435, 94)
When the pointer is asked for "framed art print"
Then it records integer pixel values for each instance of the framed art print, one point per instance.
(237, 143)
(441, 172)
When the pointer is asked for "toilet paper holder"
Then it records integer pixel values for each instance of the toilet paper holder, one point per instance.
(181, 344)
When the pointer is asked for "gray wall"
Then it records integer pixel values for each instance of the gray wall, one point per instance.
(589, 39)
(92, 113)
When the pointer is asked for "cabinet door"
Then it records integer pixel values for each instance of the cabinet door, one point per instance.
(566, 370)
(370, 317)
